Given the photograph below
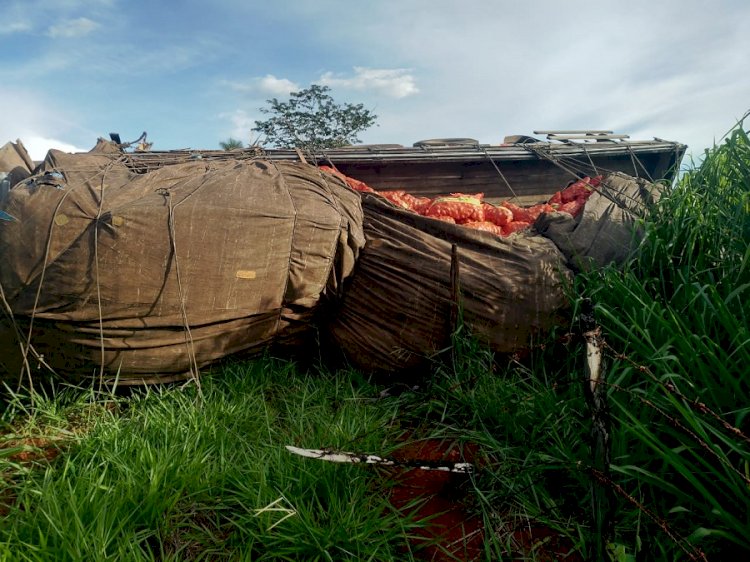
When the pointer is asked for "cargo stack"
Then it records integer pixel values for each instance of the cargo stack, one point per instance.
(112, 274)
(118, 272)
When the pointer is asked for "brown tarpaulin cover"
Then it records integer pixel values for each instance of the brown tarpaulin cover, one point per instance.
(396, 311)
(15, 162)
(153, 275)
(608, 230)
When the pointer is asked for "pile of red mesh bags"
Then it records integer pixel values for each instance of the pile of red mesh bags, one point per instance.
(471, 211)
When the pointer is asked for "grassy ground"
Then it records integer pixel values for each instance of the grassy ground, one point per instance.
(171, 475)
(178, 474)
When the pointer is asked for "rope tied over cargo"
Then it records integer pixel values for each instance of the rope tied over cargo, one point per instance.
(591, 162)
(45, 262)
(497, 169)
(96, 268)
(189, 344)
(561, 162)
(636, 161)
(19, 336)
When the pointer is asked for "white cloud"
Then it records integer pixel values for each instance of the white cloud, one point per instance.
(487, 68)
(267, 85)
(38, 124)
(391, 82)
(38, 146)
(273, 86)
(15, 27)
(68, 29)
(241, 123)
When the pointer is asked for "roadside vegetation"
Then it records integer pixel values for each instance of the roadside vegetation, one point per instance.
(677, 326)
(188, 473)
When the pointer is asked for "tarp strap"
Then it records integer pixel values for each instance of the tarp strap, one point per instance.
(556, 160)
(194, 370)
(497, 169)
(593, 166)
(635, 161)
(19, 336)
(45, 262)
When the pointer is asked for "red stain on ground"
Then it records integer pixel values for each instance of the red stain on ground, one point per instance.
(26, 451)
(452, 531)
(34, 449)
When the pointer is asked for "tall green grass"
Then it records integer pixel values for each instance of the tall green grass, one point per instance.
(528, 416)
(676, 321)
(171, 475)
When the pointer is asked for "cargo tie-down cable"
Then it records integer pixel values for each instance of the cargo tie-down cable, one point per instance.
(497, 169)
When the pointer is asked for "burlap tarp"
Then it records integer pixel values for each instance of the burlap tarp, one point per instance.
(161, 273)
(147, 277)
(15, 165)
(608, 230)
(396, 312)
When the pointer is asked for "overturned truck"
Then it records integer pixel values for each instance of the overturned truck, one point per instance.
(136, 268)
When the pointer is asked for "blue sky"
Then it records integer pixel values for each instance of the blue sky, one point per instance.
(193, 73)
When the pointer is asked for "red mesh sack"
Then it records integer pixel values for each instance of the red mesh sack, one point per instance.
(536, 210)
(578, 190)
(572, 207)
(499, 216)
(461, 207)
(445, 218)
(396, 197)
(418, 204)
(520, 214)
(486, 226)
(515, 226)
(356, 185)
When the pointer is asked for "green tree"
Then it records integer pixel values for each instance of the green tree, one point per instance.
(312, 119)
(231, 144)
